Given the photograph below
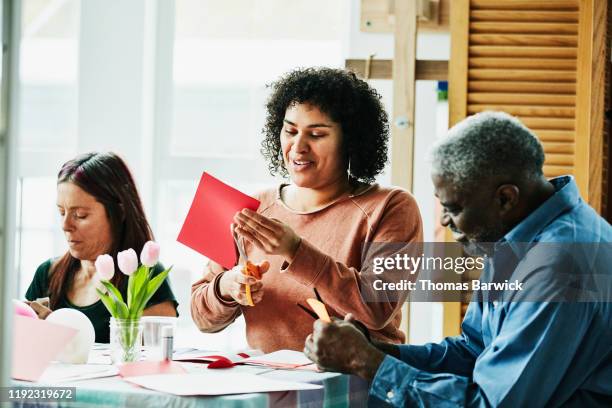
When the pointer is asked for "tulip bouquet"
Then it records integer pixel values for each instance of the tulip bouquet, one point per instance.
(141, 287)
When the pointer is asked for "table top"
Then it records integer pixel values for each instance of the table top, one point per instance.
(338, 391)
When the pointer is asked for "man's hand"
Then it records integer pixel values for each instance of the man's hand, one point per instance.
(340, 346)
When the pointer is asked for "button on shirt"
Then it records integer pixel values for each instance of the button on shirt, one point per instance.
(521, 353)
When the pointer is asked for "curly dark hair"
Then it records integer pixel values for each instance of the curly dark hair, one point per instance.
(348, 100)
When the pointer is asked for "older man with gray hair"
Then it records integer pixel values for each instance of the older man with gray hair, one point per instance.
(495, 162)
(488, 176)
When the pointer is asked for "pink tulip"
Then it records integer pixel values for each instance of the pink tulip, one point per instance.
(150, 253)
(105, 267)
(127, 261)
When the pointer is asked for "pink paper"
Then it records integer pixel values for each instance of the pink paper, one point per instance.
(207, 226)
(35, 344)
(23, 309)
(149, 368)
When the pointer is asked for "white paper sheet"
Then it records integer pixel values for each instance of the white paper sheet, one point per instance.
(99, 356)
(280, 359)
(59, 372)
(216, 382)
(298, 375)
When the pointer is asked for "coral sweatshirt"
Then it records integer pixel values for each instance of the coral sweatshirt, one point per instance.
(329, 258)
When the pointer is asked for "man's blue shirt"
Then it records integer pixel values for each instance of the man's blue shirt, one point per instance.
(521, 353)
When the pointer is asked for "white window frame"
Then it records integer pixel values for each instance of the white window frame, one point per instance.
(10, 28)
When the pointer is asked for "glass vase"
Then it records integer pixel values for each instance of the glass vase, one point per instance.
(125, 340)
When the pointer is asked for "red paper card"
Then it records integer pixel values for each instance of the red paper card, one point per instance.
(207, 226)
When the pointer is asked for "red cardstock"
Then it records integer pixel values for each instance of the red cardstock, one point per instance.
(207, 226)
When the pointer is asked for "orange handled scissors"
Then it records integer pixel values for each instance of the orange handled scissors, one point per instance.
(248, 268)
(319, 311)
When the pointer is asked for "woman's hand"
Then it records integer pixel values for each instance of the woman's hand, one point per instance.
(232, 285)
(268, 234)
(41, 307)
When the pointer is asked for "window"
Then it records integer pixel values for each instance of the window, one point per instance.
(47, 125)
(224, 54)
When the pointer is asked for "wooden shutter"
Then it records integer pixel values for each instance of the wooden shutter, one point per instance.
(607, 172)
(544, 61)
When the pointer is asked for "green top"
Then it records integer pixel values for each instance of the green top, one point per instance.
(96, 312)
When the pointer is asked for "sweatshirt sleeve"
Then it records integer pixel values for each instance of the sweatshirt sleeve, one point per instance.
(339, 285)
(523, 366)
(209, 311)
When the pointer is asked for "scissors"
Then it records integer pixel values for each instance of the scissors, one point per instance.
(242, 258)
(320, 312)
(307, 310)
(246, 265)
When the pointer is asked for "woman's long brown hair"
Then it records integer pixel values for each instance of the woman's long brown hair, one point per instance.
(106, 177)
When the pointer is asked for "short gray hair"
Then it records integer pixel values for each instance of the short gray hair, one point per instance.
(487, 144)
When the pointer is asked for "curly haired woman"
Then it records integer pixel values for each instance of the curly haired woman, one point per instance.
(327, 131)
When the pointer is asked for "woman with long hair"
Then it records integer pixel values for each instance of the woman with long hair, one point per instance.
(101, 212)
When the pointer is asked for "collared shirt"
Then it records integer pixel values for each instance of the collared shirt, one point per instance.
(520, 353)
